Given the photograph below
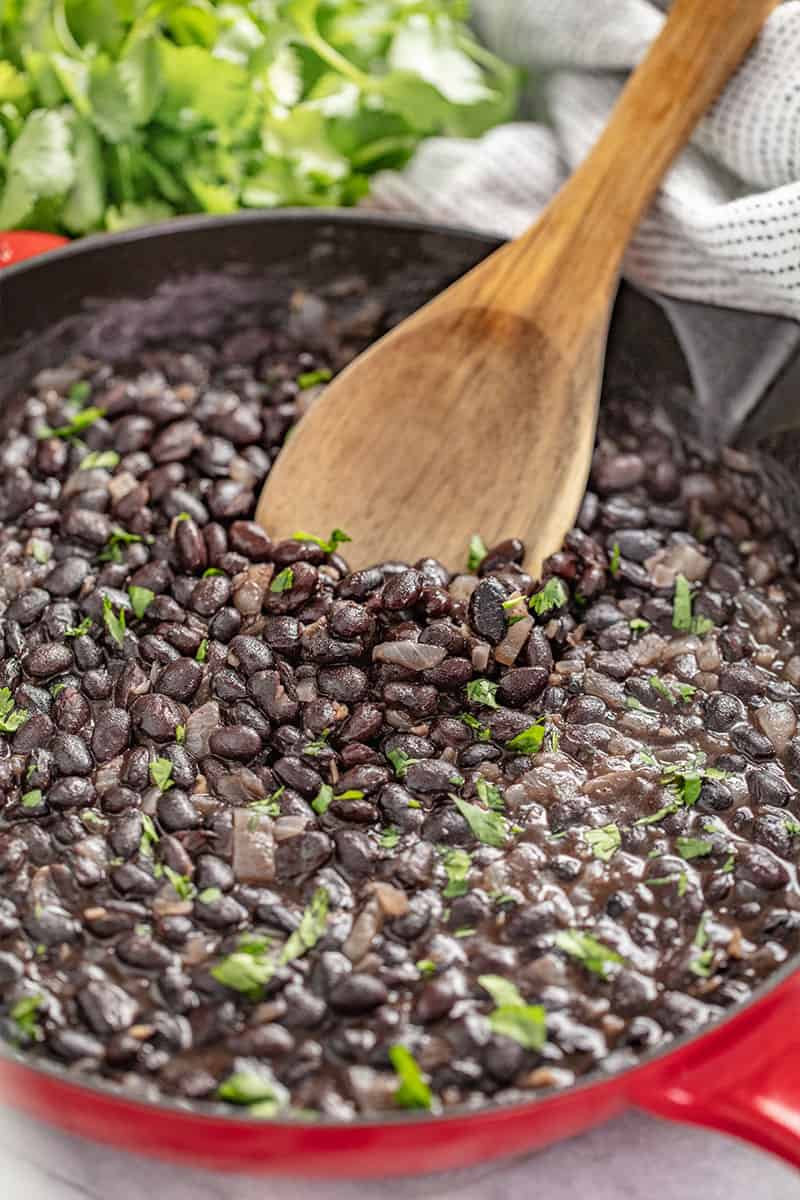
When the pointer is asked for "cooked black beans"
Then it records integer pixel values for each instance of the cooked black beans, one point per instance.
(267, 728)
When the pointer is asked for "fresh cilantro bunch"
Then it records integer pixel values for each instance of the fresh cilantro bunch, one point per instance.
(114, 113)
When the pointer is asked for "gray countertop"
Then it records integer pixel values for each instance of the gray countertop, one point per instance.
(633, 1158)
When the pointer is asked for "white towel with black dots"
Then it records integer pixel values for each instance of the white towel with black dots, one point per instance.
(724, 229)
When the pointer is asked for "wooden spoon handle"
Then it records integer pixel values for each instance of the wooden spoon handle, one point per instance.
(581, 237)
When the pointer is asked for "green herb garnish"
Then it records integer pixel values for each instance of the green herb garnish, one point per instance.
(210, 895)
(530, 740)
(113, 623)
(426, 966)
(283, 582)
(245, 972)
(457, 864)
(413, 1091)
(477, 552)
(587, 950)
(682, 617)
(690, 847)
(401, 762)
(316, 747)
(482, 732)
(182, 884)
(603, 842)
(32, 799)
(180, 734)
(489, 793)
(553, 595)
(661, 688)
(79, 422)
(482, 691)
(389, 838)
(512, 1017)
(149, 837)
(24, 1016)
(107, 459)
(76, 631)
(489, 827)
(614, 561)
(792, 826)
(40, 551)
(323, 799)
(119, 538)
(259, 1093)
(161, 774)
(202, 651)
(11, 717)
(639, 625)
(312, 927)
(310, 379)
(702, 963)
(337, 538)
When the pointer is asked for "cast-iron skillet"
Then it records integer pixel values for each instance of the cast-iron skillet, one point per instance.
(742, 1076)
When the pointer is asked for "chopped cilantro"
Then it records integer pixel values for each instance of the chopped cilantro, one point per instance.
(337, 538)
(603, 842)
(512, 1017)
(32, 799)
(690, 847)
(97, 459)
(482, 732)
(149, 836)
(180, 734)
(314, 748)
(483, 691)
(702, 963)
(477, 552)
(639, 625)
(792, 826)
(587, 950)
(11, 717)
(76, 631)
(389, 838)
(245, 972)
(686, 691)
(682, 617)
(729, 864)
(311, 928)
(489, 827)
(268, 807)
(465, 931)
(426, 966)
(661, 688)
(210, 895)
(141, 598)
(352, 794)
(322, 801)
(119, 537)
(202, 651)
(401, 762)
(210, 572)
(79, 422)
(113, 623)
(310, 379)
(257, 1091)
(182, 884)
(553, 595)
(457, 864)
(413, 1091)
(40, 550)
(489, 793)
(161, 774)
(283, 582)
(530, 740)
(24, 1017)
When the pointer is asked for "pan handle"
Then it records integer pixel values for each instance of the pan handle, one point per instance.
(24, 243)
(742, 1079)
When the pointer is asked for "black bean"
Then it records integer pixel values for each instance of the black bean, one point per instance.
(157, 716)
(300, 856)
(106, 1008)
(176, 811)
(48, 660)
(66, 578)
(486, 613)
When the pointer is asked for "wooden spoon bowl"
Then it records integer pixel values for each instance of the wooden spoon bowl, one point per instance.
(477, 414)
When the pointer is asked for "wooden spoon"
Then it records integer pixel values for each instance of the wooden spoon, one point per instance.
(477, 414)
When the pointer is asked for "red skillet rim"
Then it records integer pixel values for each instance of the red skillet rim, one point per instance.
(209, 1110)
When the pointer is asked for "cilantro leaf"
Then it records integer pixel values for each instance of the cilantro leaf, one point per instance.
(457, 864)
(161, 774)
(82, 420)
(96, 459)
(11, 717)
(477, 552)
(76, 631)
(283, 581)
(483, 691)
(682, 617)
(530, 740)
(113, 623)
(311, 928)
(512, 1017)
(337, 538)
(413, 1091)
(489, 827)
(141, 598)
(310, 379)
(553, 595)
(603, 842)
(690, 847)
(489, 793)
(587, 950)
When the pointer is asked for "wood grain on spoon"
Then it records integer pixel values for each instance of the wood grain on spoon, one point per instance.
(478, 413)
